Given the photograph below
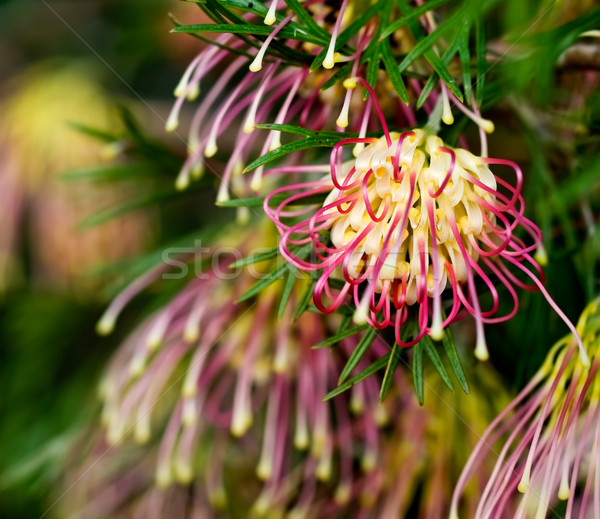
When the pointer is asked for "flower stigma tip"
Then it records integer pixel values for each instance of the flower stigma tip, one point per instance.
(223, 194)
(350, 83)
(182, 182)
(211, 147)
(270, 17)
(481, 350)
(105, 325)
(172, 121)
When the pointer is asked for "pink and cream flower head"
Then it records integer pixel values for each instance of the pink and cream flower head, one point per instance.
(407, 223)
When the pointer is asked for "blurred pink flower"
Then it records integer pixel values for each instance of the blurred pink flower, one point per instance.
(204, 366)
(553, 433)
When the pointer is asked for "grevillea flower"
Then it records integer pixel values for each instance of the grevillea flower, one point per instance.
(428, 444)
(418, 447)
(278, 89)
(409, 221)
(203, 366)
(549, 464)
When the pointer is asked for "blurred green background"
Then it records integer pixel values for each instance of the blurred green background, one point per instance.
(59, 56)
(50, 357)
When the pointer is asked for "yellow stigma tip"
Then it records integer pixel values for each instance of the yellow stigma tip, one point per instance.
(563, 493)
(255, 66)
(193, 92)
(436, 333)
(488, 126)
(541, 256)
(171, 125)
(350, 83)
(105, 326)
(210, 150)
(342, 122)
(448, 118)
(182, 182)
(481, 351)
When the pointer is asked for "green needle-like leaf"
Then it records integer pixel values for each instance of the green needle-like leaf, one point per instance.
(417, 370)
(393, 73)
(290, 281)
(291, 147)
(359, 351)
(454, 360)
(373, 368)
(480, 53)
(414, 14)
(305, 300)
(256, 258)
(388, 377)
(349, 332)
(279, 272)
(433, 355)
(305, 17)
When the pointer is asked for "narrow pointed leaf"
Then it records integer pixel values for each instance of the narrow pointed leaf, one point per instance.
(480, 50)
(305, 300)
(414, 14)
(388, 377)
(300, 252)
(373, 368)
(465, 63)
(417, 370)
(393, 73)
(291, 147)
(454, 359)
(359, 351)
(349, 332)
(436, 361)
(256, 258)
(262, 284)
(442, 71)
(290, 281)
(305, 17)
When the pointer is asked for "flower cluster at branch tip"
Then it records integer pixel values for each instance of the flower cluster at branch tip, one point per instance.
(263, 382)
(408, 219)
(553, 427)
(348, 457)
(274, 92)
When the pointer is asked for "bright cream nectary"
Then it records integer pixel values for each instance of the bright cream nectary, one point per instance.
(390, 196)
(410, 233)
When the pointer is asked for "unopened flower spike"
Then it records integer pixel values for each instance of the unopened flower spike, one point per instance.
(413, 223)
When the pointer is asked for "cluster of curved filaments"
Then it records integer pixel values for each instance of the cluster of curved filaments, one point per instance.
(409, 218)
(552, 428)
(232, 370)
(262, 91)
